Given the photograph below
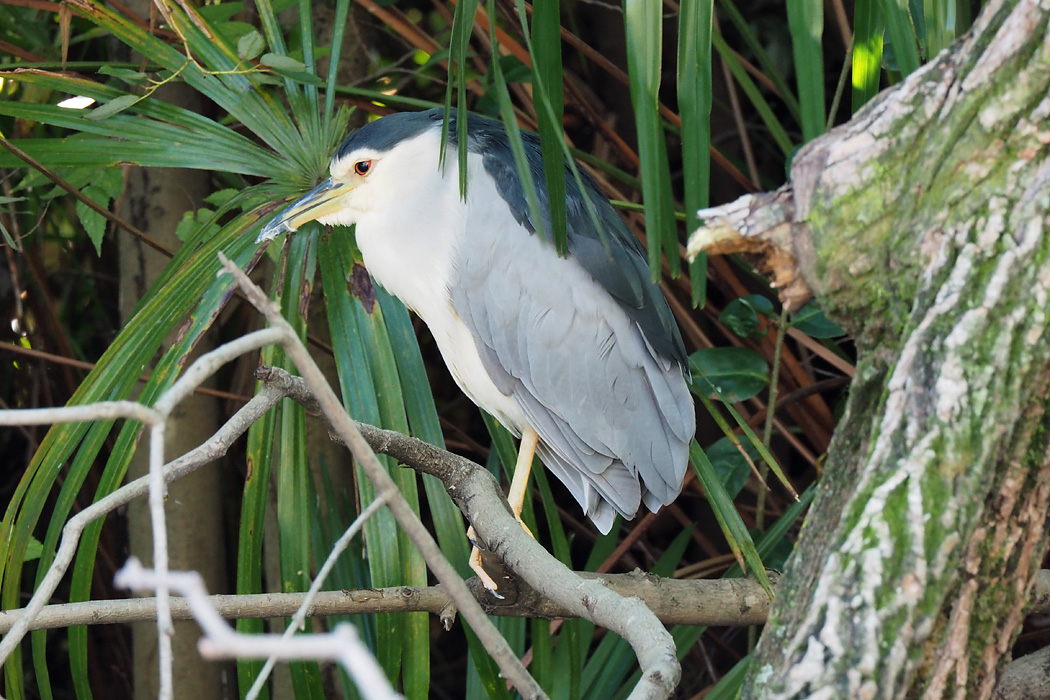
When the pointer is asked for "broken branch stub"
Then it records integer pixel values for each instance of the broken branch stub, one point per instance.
(759, 227)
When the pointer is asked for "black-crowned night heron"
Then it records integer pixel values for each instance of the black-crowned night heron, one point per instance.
(579, 356)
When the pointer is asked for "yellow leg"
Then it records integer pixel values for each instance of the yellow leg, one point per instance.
(516, 497)
(476, 565)
(520, 483)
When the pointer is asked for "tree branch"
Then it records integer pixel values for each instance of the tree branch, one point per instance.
(475, 490)
(348, 433)
(71, 533)
(708, 602)
(718, 603)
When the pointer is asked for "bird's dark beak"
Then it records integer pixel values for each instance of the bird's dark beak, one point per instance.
(322, 200)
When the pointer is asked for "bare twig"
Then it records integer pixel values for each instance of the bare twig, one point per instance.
(315, 588)
(332, 408)
(220, 641)
(710, 602)
(472, 487)
(71, 533)
(478, 496)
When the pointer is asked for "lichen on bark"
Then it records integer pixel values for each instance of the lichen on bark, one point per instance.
(923, 227)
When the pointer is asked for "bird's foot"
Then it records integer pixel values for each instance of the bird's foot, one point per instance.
(475, 563)
(475, 557)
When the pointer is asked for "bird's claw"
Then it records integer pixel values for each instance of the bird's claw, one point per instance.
(475, 563)
(475, 557)
(472, 537)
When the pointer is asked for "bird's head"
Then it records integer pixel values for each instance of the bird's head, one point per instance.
(376, 163)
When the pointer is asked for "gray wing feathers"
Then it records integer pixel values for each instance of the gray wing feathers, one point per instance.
(609, 410)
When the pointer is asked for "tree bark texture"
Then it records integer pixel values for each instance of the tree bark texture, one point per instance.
(922, 226)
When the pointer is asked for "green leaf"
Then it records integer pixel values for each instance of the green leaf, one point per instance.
(729, 374)
(131, 77)
(259, 460)
(775, 537)
(756, 443)
(192, 221)
(736, 534)
(114, 106)
(644, 26)
(299, 76)
(758, 101)
(549, 102)
(424, 424)
(771, 60)
(510, 121)
(742, 315)
(918, 22)
(110, 181)
(897, 15)
(259, 79)
(221, 197)
(307, 111)
(290, 69)
(291, 466)
(338, 30)
(514, 71)
(106, 185)
(730, 465)
(94, 223)
(285, 63)
(221, 12)
(459, 45)
(170, 137)
(730, 685)
(188, 282)
(694, 103)
(812, 321)
(371, 390)
(806, 23)
(868, 32)
(8, 238)
(187, 224)
(251, 45)
(34, 550)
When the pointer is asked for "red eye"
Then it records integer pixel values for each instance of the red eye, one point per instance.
(362, 167)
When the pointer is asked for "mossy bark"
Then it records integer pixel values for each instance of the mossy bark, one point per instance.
(923, 226)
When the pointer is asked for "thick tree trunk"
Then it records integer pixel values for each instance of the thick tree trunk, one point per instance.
(155, 200)
(922, 225)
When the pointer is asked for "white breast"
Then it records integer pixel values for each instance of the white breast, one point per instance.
(409, 247)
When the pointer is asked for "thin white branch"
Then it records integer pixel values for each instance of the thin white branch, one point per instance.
(165, 627)
(197, 374)
(301, 614)
(597, 603)
(477, 493)
(501, 532)
(209, 363)
(104, 410)
(207, 452)
(498, 647)
(221, 641)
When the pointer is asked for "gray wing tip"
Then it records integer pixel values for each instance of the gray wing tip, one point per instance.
(603, 515)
